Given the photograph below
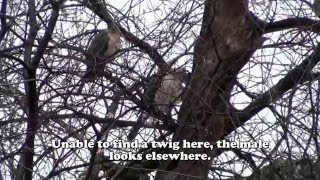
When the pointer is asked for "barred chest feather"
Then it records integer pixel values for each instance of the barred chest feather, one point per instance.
(169, 92)
(114, 43)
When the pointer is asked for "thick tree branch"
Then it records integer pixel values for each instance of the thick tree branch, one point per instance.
(299, 23)
(3, 21)
(25, 167)
(228, 38)
(296, 76)
(46, 38)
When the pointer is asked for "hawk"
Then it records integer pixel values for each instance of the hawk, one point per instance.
(102, 47)
(163, 91)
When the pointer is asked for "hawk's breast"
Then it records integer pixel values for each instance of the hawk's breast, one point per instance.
(113, 44)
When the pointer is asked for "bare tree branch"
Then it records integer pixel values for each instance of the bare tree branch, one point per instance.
(290, 23)
(298, 75)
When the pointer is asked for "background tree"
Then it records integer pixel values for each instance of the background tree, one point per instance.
(254, 75)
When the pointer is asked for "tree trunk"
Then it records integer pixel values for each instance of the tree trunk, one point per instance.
(228, 38)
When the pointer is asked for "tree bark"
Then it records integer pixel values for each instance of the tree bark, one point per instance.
(228, 38)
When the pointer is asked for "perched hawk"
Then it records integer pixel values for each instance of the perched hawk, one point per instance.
(169, 91)
(163, 91)
(101, 48)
